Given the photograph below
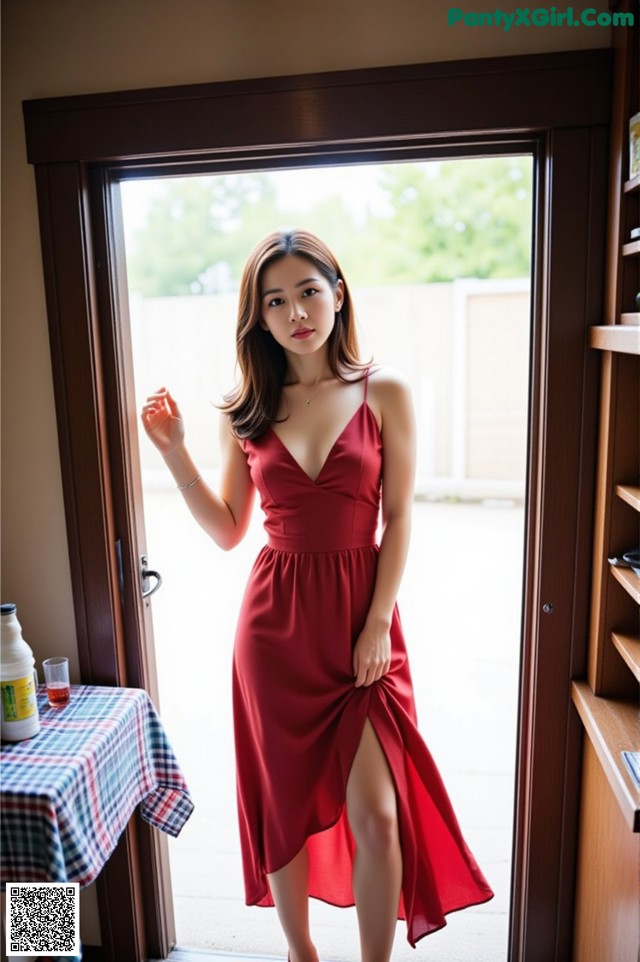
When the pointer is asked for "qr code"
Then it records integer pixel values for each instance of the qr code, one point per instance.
(43, 919)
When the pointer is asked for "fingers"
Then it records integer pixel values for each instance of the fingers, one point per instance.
(155, 410)
(159, 406)
(173, 407)
(161, 396)
(368, 673)
(360, 671)
(164, 394)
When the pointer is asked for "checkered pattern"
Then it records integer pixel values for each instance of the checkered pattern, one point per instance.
(68, 792)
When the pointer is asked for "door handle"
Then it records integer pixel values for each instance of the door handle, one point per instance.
(145, 575)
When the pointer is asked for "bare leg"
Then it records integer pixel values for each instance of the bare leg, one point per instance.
(377, 874)
(289, 886)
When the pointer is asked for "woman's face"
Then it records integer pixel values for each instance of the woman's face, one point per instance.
(298, 304)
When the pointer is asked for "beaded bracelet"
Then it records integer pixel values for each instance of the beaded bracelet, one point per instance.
(184, 487)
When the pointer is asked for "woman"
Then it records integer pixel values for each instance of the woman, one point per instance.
(338, 796)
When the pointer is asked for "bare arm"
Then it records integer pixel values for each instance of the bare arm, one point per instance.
(225, 517)
(372, 653)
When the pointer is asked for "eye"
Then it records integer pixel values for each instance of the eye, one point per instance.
(310, 291)
(275, 302)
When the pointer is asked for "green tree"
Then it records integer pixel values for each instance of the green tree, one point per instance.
(197, 234)
(459, 218)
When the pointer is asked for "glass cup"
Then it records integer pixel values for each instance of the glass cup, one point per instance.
(56, 678)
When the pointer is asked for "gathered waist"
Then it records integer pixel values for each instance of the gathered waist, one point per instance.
(305, 545)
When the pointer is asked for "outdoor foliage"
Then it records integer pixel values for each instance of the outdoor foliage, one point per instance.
(197, 234)
(471, 219)
(439, 221)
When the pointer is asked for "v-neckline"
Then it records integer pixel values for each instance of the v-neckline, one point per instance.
(363, 404)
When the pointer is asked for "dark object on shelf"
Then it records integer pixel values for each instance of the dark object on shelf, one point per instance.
(632, 761)
(634, 233)
(632, 558)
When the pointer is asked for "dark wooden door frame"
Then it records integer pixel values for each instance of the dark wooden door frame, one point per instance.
(558, 107)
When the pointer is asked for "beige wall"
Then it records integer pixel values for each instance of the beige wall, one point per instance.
(82, 46)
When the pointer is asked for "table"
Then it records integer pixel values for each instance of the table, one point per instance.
(68, 792)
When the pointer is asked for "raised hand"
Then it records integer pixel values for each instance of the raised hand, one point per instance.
(163, 422)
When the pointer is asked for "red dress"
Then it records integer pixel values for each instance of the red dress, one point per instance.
(298, 717)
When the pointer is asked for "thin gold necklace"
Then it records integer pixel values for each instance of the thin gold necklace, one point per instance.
(308, 400)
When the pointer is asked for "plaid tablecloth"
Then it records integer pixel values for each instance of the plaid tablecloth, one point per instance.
(68, 792)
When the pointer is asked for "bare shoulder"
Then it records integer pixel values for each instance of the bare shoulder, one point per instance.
(388, 380)
(389, 392)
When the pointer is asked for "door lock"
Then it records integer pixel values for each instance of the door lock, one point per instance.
(145, 575)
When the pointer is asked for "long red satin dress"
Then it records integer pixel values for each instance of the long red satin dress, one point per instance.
(298, 717)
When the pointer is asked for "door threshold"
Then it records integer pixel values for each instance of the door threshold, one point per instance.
(208, 955)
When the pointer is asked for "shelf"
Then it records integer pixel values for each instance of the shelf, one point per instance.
(624, 338)
(629, 493)
(631, 319)
(632, 249)
(633, 184)
(629, 581)
(613, 727)
(629, 649)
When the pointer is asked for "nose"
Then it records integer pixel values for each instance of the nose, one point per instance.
(297, 311)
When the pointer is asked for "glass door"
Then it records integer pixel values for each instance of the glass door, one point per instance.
(438, 257)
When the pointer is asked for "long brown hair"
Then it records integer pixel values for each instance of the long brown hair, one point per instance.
(253, 405)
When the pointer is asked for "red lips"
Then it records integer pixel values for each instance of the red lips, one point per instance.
(302, 332)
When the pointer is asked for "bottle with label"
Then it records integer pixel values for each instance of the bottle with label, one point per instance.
(17, 681)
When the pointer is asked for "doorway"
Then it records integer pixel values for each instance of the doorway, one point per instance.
(452, 297)
(555, 106)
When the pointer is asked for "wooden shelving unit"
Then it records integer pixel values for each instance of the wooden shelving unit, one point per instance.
(629, 581)
(630, 494)
(624, 338)
(629, 649)
(607, 700)
(612, 727)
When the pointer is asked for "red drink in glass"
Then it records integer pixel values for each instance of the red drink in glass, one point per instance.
(58, 694)
(56, 678)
